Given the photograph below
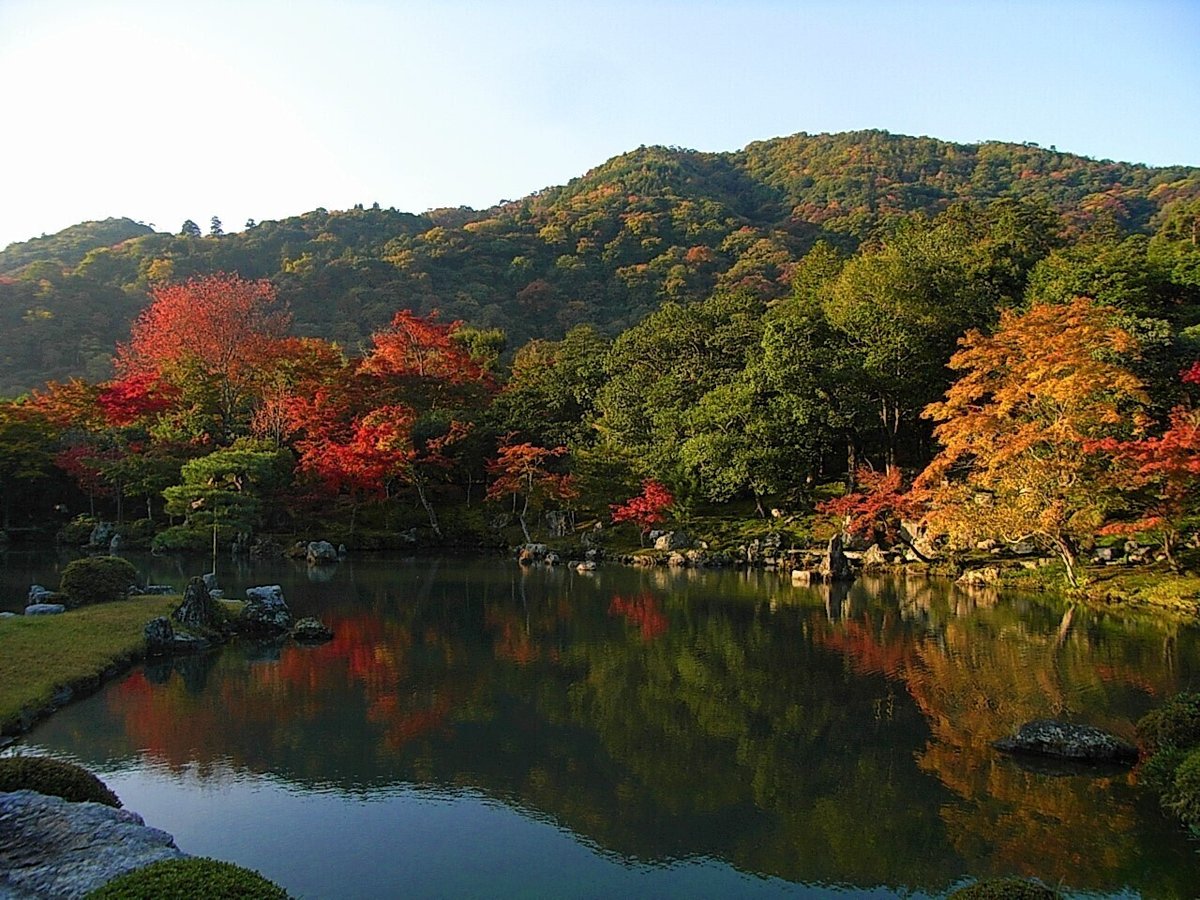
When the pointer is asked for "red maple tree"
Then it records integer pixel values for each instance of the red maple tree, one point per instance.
(647, 509)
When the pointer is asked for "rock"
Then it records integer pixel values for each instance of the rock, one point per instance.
(1104, 555)
(298, 550)
(160, 636)
(321, 553)
(645, 559)
(873, 559)
(592, 555)
(310, 630)
(102, 534)
(677, 560)
(834, 565)
(588, 566)
(44, 609)
(50, 847)
(266, 613)
(986, 575)
(210, 581)
(987, 546)
(1023, 548)
(39, 594)
(525, 558)
(672, 540)
(804, 577)
(7, 615)
(157, 590)
(1062, 740)
(198, 609)
(697, 558)
(342, 551)
(114, 545)
(918, 540)
(552, 559)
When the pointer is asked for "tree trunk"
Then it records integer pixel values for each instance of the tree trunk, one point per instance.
(1169, 539)
(851, 466)
(433, 522)
(1069, 554)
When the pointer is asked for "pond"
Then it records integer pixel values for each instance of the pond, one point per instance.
(478, 729)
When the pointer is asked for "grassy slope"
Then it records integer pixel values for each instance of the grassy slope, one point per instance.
(39, 655)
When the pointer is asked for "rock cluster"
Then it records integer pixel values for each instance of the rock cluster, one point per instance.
(266, 613)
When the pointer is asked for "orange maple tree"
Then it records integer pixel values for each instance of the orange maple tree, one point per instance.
(520, 471)
(1013, 428)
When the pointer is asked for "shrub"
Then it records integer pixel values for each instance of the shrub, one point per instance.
(1005, 889)
(1174, 725)
(78, 531)
(1183, 798)
(55, 778)
(182, 539)
(97, 579)
(187, 878)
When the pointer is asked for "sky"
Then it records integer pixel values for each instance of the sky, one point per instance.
(164, 111)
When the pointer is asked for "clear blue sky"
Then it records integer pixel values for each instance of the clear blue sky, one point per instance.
(163, 111)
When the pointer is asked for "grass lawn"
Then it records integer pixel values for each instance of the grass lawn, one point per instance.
(41, 654)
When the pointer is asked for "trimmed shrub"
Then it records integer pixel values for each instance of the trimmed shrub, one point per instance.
(1183, 798)
(183, 879)
(1174, 725)
(97, 579)
(182, 539)
(1005, 889)
(55, 778)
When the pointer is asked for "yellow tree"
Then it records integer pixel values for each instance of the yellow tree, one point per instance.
(1013, 465)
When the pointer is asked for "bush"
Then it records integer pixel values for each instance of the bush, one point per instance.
(78, 531)
(187, 878)
(1174, 725)
(1183, 798)
(182, 539)
(97, 579)
(1005, 889)
(55, 778)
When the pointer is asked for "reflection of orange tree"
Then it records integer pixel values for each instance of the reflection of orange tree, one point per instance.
(520, 634)
(971, 692)
(642, 611)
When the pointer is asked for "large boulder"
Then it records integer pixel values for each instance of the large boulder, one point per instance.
(835, 566)
(874, 559)
(672, 540)
(102, 534)
(39, 594)
(321, 553)
(1062, 740)
(44, 609)
(266, 613)
(198, 609)
(50, 847)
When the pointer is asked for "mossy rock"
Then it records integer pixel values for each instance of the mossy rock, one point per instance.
(183, 879)
(1174, 725)
(1005, 889)
(97, 579)
(54, 778)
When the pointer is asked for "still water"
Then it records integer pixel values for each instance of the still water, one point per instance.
(476, 729)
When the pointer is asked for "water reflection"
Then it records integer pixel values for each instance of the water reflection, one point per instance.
(811, 735)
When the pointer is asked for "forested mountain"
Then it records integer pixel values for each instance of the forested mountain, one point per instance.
(650, 226)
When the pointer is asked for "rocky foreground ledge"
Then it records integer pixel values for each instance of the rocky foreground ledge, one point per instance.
(52, 848)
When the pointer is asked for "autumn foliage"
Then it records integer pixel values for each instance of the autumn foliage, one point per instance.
(647, 509)
(876, 509)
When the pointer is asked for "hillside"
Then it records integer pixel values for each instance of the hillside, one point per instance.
(607, 248)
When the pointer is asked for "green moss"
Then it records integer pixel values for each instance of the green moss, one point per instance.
(97, 579)
(1005, 889)
(188, 878)
(55, 778)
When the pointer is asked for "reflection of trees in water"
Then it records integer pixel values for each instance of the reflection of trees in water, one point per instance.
(732, 715)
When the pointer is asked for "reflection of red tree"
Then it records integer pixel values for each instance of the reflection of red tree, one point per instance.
(884, 649)
(642, 611)
(368, 659)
